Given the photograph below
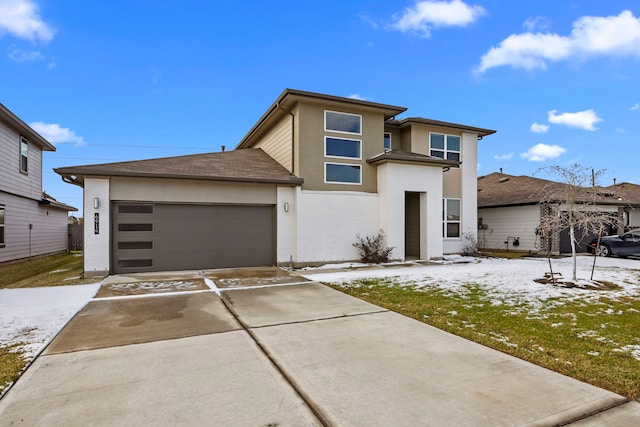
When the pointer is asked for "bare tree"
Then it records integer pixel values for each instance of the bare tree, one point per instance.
(570, 204)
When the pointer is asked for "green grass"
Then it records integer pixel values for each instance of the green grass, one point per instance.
(591, 342)
(11, 364)
(54, 270)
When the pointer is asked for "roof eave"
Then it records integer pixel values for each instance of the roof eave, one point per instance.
(25, 129)
(78, 177)
(420, 120)
(392, 109)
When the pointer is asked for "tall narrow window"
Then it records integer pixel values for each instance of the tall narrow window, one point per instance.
(445, 146)
(24, 155)
(387, 141)
(451, 218)
(2, 211)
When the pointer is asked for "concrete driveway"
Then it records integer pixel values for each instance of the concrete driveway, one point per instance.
(263, 347)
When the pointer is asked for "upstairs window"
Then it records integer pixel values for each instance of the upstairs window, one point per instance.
(342, 122)
(341, 173)
(451, 218)
(24, 155)
(2, 209)
(387, 141)
(341, 147)
(445, 146)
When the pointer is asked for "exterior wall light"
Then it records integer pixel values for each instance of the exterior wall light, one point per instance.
(96, 203)
(286, 206)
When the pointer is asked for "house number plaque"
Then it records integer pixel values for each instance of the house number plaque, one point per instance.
(96, 223)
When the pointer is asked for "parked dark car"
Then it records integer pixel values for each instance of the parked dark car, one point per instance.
(627, 244)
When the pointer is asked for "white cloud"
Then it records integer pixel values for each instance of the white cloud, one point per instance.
(543, 152)
(503, 157)
(582, 119)
(539, 128)
(18, 55)
(591, 36)
(21, 19)
(635, 106)
(55, 134)
(536, 23)
(358, 96)
(426, 15)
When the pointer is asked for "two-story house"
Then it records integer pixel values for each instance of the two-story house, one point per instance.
(314, 172)
(31, 222)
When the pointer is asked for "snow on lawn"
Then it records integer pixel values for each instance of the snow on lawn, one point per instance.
(505, 281)
(34, 316)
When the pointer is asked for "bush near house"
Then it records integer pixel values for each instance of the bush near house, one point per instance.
(373, 249)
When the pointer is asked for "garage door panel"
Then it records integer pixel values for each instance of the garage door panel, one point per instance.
(187, 237)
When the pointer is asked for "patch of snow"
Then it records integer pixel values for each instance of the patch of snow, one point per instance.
(35, 315)
(593, 353)
(503, 281)
(634, 350)
(59, 271)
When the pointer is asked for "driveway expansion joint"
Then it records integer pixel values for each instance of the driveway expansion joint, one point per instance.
(319, 319)
(292, 383)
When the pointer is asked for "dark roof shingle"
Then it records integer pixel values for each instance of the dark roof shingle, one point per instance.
(247, 165)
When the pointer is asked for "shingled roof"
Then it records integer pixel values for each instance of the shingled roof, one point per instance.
(499, 189)
(247, 165)
(411, 157)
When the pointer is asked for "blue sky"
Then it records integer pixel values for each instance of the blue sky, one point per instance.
(125, 80)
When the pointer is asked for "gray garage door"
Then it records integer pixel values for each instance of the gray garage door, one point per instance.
(165, 237)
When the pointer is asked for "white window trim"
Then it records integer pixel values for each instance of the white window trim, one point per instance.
(342, 157)
(3, 226)
(339, 182)
(341, 131)
(445, 222)
(26, 141)
(445, 150)
(390, 141)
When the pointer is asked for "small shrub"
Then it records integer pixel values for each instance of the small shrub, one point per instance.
(373, 249)
(471, 246)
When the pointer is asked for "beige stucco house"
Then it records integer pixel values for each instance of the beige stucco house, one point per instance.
(312, 173)
(32, 223)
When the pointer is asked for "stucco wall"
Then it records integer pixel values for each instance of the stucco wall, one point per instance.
(328, 223)
(191, 191)
(393, 181)
(312, 146)
(96, 246)
(469, 191)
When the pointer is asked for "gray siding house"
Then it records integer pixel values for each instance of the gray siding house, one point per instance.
(31, 222)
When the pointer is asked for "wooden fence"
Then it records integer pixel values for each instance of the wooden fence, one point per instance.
(76, 237)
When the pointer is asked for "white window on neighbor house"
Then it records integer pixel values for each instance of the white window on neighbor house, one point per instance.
(342, 148)
(451, 218)
(24, 155)
(2, 214)
(445, 146)
(342, 173)
(342, 122)
(387, 141)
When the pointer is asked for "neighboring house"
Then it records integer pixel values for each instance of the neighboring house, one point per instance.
(314, 172)
(31, 222)
(510, 209)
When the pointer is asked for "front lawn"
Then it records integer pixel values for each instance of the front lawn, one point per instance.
(590, 335)
(53, 270)
(20, 335)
